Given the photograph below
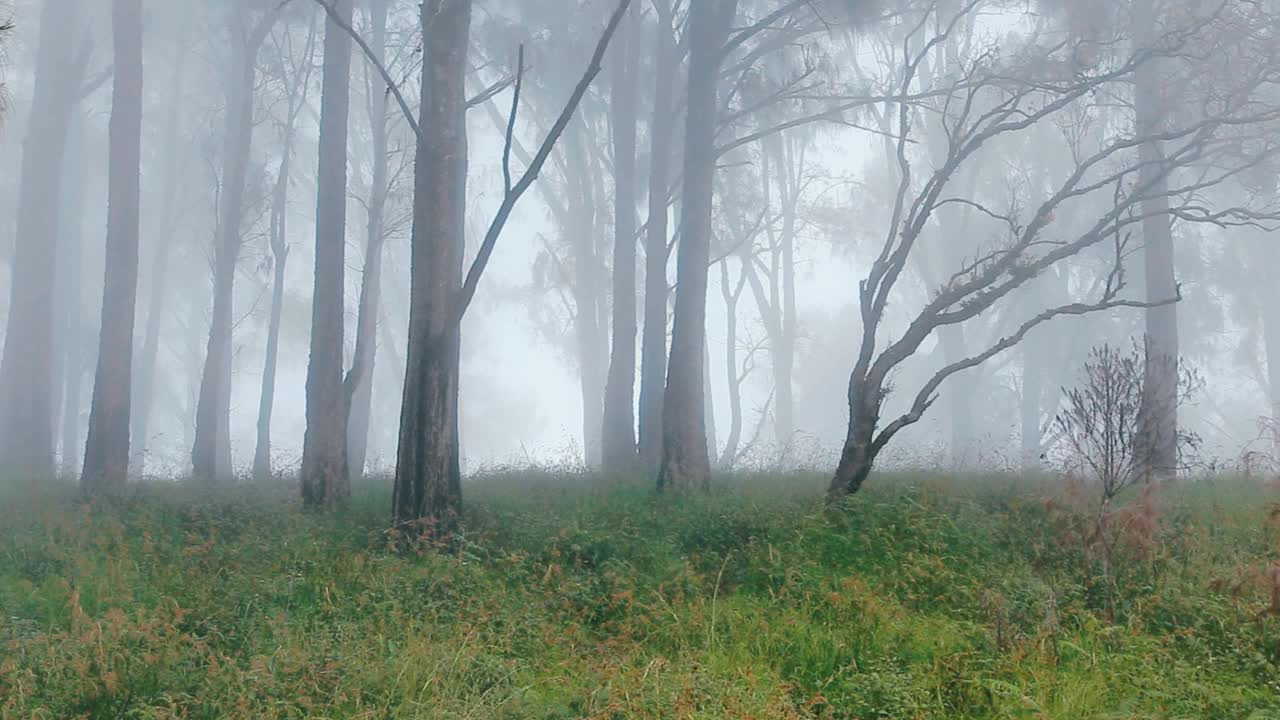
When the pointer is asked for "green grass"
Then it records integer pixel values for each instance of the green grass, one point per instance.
(573, 598)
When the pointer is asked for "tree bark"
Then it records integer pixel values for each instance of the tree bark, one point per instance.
(859, 451)
(324, 449)
(26, 367)
(618, 435)
(211, 451)
(1160, 378)
(428, 486)
(106, 455)
(360, 379)
(653, 344)
(685, 461)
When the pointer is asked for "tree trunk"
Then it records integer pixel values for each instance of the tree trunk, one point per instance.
(360, 380)
(71, 239)
(262, 471)
(1160, 378)
(589, 325)
(859, 452)
(1033, 372)
(144, 379)
(653, 344)
(618, 437)
(106, 455)
(324, 448)
(960, 398)
(428, 487)
(685, 463)
(211, 451)
(731, 295)
(26, 367)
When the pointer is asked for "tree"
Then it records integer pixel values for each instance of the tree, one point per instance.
(618, 436)
(144, 380)
(26, 381)
(211, 451)
(685, 458)
(685, 463)
(324, 466)
(989, 103)
(295, 100)
(428, 486)
(662, 136)
(106, 457)
(360, 378)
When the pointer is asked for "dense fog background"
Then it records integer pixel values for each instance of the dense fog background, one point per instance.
(536, 342)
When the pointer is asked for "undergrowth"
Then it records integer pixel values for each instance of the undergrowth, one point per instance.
(572, 597)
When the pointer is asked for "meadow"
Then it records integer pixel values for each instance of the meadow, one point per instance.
(567, 596)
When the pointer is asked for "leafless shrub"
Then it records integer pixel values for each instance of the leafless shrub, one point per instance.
(1102, 431)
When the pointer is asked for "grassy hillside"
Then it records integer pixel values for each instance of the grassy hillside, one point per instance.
(570, 598)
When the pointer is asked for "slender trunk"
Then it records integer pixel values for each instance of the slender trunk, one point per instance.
(71, 238)
(685, 462)
(428, 487)
(653, 344)
(589, 330)
(211, 451)
(1033, 372)
(26, 367)
(106, 456)
(361, 377)
(731, 296)
(618, 439)
(280, 253)
(1160, 378)
(959, 399)
(144, 378)
(324, 447)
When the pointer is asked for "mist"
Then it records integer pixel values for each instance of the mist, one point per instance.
(713, 358)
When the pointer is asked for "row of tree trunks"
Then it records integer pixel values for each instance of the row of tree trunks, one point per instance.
(106, 457)
(324, 448)
(26, 366)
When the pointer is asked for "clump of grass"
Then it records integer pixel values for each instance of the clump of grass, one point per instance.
(576, 597)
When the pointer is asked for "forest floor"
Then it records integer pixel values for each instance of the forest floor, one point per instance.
(568, 597)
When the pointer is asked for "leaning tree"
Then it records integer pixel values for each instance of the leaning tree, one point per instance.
(1227, 132)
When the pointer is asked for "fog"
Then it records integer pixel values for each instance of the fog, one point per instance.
(1110, 158)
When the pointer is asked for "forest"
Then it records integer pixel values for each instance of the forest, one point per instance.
(613, 359)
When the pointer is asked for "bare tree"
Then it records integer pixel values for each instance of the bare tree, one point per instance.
(106, 457)
(986, 103)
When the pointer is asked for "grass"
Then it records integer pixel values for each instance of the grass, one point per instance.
(573, 598)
